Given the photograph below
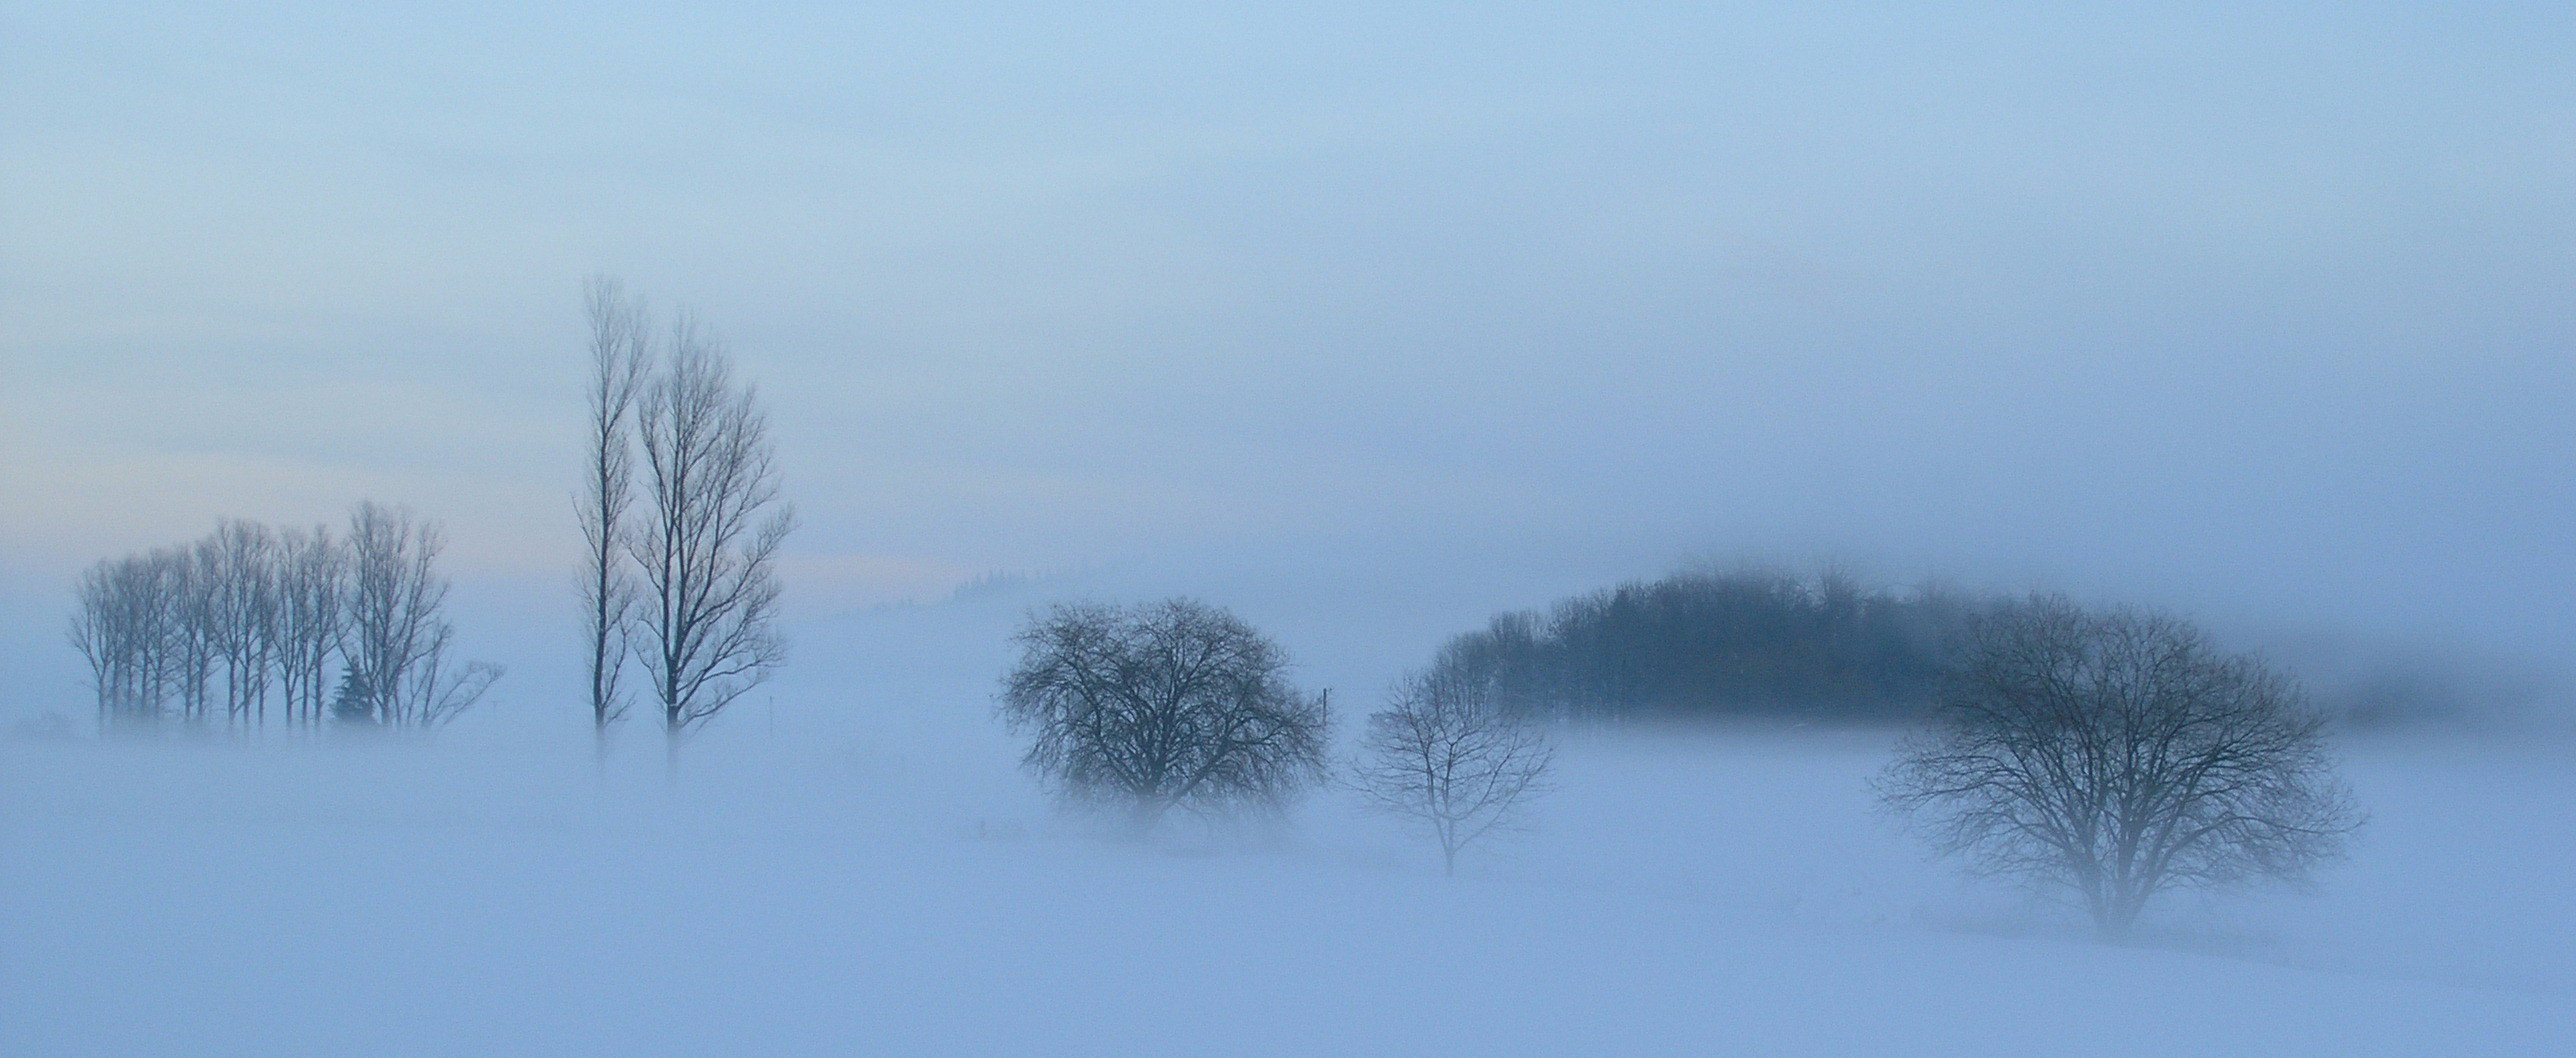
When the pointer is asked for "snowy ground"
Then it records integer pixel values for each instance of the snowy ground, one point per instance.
(881, 890)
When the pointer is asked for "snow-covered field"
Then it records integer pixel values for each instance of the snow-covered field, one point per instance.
(900, 889)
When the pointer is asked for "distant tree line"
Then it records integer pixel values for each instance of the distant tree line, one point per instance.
(348, 628)
(1755, 643)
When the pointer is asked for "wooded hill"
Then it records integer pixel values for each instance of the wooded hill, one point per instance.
(1722, 644)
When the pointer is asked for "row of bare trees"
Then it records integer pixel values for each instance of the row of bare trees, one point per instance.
(682, 585)
(209, 633)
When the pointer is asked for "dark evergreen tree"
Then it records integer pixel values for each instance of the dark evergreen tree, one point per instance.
(353, 702)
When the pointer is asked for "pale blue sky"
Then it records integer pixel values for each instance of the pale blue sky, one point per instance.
(2265, 312)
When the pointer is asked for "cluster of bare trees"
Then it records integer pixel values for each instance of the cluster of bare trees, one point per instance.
(209, 633)
(686, 587)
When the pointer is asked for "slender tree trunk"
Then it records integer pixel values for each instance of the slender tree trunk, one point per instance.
(671, 753)
(599, 744)
(598, 712)
(618, 355)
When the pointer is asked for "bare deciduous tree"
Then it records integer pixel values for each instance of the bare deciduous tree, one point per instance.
(398, 636)
(239, 600)
(100, 631)
(1168, 704)
(618, 361)
(194, 632)
(179, 622)
(1445, 754)
(2115, 755)
(126, 625)
(312, 618)
(708, 545)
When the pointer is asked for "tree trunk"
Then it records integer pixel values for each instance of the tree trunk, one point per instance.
(2113, 915)
(599, 744)
(671, 753)
(1144, 817)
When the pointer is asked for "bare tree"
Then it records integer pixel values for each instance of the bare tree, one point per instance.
(101, 629)
(196, 634)
(2115, 755)
(312, 618)
(1445, 754)
(708, 545)
(618, 361)
(98, 632)
(397, 634)
(1160, 705)
(126, 625)
(240, 595)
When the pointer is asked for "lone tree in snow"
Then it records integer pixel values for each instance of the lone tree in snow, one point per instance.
(2115, 755)
(1166, 704)
(1446, 755)
(707, 541)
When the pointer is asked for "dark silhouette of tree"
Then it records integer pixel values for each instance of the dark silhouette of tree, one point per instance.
(353, 702)
(2114, 755)
(619, 361)
(708, 543)
(1163, 705)
(240, 597)
(312, 618)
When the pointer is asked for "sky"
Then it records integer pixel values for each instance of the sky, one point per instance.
(2266, 313)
